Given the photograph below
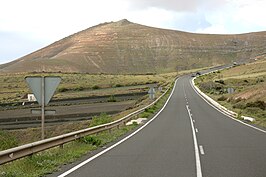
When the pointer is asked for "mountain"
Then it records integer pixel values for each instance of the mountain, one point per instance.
(124, 47)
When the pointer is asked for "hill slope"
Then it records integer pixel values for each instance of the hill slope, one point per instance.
(125, 47)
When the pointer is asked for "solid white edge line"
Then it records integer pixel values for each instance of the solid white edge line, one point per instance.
(232, 118)
(198, 164)
(201, 150)
(121, 141)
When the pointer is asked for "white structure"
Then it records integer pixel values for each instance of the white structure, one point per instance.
(31, 97)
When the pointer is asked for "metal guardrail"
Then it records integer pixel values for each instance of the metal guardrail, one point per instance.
(29, 149)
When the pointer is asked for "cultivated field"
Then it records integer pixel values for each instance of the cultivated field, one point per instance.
(13, 87)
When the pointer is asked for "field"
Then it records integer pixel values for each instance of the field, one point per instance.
(14, 88)
(249, 84)
(51, 160)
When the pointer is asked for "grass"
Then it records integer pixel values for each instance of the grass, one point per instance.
(102, 119)
(149, 112)
(13, 86)
(49, 161)
(249, 83)
(7, 140)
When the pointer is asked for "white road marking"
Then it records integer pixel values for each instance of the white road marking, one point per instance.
(232, 118)
(198, 164)
(193, 119)
(201, 150)
(121, 141)
(196, 130)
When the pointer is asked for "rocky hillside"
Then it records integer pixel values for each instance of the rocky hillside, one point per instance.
(125, 47)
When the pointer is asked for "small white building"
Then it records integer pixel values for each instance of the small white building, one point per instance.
(31, 97)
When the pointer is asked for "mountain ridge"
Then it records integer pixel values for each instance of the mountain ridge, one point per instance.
(124, 47)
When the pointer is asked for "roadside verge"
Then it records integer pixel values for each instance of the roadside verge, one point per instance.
(223, 109)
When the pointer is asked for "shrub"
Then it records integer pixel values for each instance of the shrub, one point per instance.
(239, 105)
(95, 87)
(101, 119)
(62, 89)
(151, 110)
(118, 85)
(80, 88)
(111, 99)
(145, 115)
(220, 81)
(222, 98)
(207, 86)
(218, 88)
(258, 104)
(93, 140)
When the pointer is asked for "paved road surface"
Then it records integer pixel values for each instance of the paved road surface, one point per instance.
(217, 147)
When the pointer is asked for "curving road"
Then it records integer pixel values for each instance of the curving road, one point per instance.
(189, 138)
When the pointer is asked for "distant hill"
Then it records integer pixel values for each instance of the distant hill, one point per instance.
(124, 47)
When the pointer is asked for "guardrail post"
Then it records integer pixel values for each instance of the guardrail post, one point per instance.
(30, 149)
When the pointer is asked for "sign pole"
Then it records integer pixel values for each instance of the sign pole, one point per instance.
(43, 88)
(43, 104)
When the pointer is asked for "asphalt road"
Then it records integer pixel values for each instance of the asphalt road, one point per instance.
(189, 138)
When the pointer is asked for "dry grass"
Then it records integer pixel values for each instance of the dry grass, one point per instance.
(13, 86)
(249, 82)
(244, 71)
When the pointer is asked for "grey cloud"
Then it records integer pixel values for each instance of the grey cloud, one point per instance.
(177, 5)
(189, 22)
(192, 22)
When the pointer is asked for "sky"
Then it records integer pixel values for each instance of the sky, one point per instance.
(28, 25)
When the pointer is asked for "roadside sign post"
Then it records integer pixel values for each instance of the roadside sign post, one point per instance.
(151, 93)
(230, 90)
(43, 88)
(43, 102)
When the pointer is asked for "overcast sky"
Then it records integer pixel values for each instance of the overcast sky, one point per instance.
(28, 25)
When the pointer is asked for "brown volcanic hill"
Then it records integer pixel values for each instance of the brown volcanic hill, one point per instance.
(125, 47)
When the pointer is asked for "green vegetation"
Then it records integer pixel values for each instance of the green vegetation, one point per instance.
(48, 161)
(248, 83)
(7, 141)
(14, 88)
(156, 107)
(112, 99)
(95, 87)
(102, 119)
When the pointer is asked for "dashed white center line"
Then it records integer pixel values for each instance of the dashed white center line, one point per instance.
(196, 130)
(201, 150)
(197, 156)
(194, 121)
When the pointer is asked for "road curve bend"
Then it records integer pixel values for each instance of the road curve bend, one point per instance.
(188, 138)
